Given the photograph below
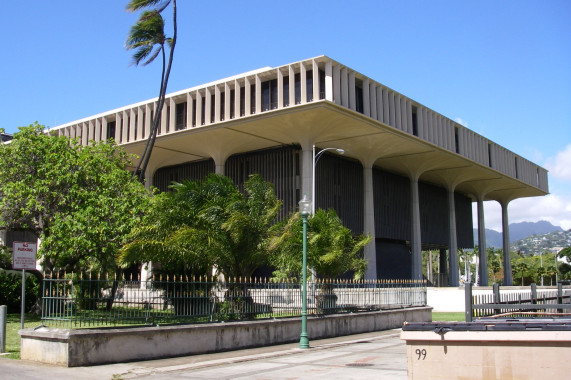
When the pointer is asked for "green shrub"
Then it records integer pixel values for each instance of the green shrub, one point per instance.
(11, 290)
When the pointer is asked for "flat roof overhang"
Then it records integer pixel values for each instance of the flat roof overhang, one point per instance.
(326, 124)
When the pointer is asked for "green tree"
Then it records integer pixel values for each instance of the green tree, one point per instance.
(79, 200)
(521, 267)
(540, 272)
(147, 37)
(494, 263)
(332, 250)
(566, 253)
(208, 223)
(551, 271)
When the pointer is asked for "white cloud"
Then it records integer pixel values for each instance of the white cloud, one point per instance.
(553, 208)
(560, 165)
(461, 122)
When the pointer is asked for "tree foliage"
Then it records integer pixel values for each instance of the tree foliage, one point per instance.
(11, 290)
(332, 250)
(201, 224)
(79, 200)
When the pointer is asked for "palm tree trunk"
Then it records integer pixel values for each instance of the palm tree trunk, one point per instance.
(142, 168)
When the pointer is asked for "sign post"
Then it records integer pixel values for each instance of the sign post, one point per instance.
(23, 257)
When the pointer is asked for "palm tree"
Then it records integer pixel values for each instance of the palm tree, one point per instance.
(210, 223)
(332, 250)
(541, 271)
(147, 37)
(551, 270)
(521, 267)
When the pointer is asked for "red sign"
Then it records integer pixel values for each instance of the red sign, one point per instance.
(24, 255)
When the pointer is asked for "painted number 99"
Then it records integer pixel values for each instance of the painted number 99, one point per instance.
(420, 353)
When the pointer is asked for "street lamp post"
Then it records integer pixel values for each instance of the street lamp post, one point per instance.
(541, 265)
(304, 209)
(315, 159)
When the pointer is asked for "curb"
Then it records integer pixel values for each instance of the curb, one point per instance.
(143, 371)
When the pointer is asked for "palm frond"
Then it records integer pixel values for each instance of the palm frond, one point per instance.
(135, 5)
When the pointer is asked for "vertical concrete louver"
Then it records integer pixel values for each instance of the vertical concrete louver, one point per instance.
(133, 123)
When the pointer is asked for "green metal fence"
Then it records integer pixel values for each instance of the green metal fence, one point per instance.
(90, 302)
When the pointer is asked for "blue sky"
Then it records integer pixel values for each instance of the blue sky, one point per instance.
(502, 68)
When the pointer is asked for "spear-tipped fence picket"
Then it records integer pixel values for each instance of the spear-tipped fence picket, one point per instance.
(79, 300)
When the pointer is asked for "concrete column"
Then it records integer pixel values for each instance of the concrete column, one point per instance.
(306, 170)
(103, 128)
(337, 84)
(415, 243)
(219, 168)
(207, 107)
(373, 100)
(420, 115)
(247, 97)
(328, 81)
(217, 94)
(91, 130)
(84, 134)
(508, 278)
(291, 78)
(148, 121)
(366, 98)
(227, 102)
(149, 177)
(352, 95)
(237, 99)
(344, 87)
(386, 105)
(483, 258)
(219, 162)
(392, 119)
(118, 123)
(452, 242)
(140, 124)
(303, 84)
(164, 119)
(280, 89)
(369, 223)
(198, 108)
(258, 94)
(316, 89)
(132, 125)
(379, 105)
(409, 127)
(125, 128)
(189, 109)
(398, 114)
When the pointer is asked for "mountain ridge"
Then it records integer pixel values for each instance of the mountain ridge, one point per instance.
(518, 231)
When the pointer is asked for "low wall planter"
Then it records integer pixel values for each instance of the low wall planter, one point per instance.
(84, 347)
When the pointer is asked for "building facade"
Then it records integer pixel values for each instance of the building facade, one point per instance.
(408, 175)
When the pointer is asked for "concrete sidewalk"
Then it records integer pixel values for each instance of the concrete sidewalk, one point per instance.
(364, 356)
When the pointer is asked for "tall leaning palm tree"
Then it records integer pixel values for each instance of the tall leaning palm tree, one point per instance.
(147, 37)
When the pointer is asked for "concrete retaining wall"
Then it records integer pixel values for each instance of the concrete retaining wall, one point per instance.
(98, 346)
(487, 354)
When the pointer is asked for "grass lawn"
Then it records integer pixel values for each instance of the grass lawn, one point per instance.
(12, 337)
(448, 317)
